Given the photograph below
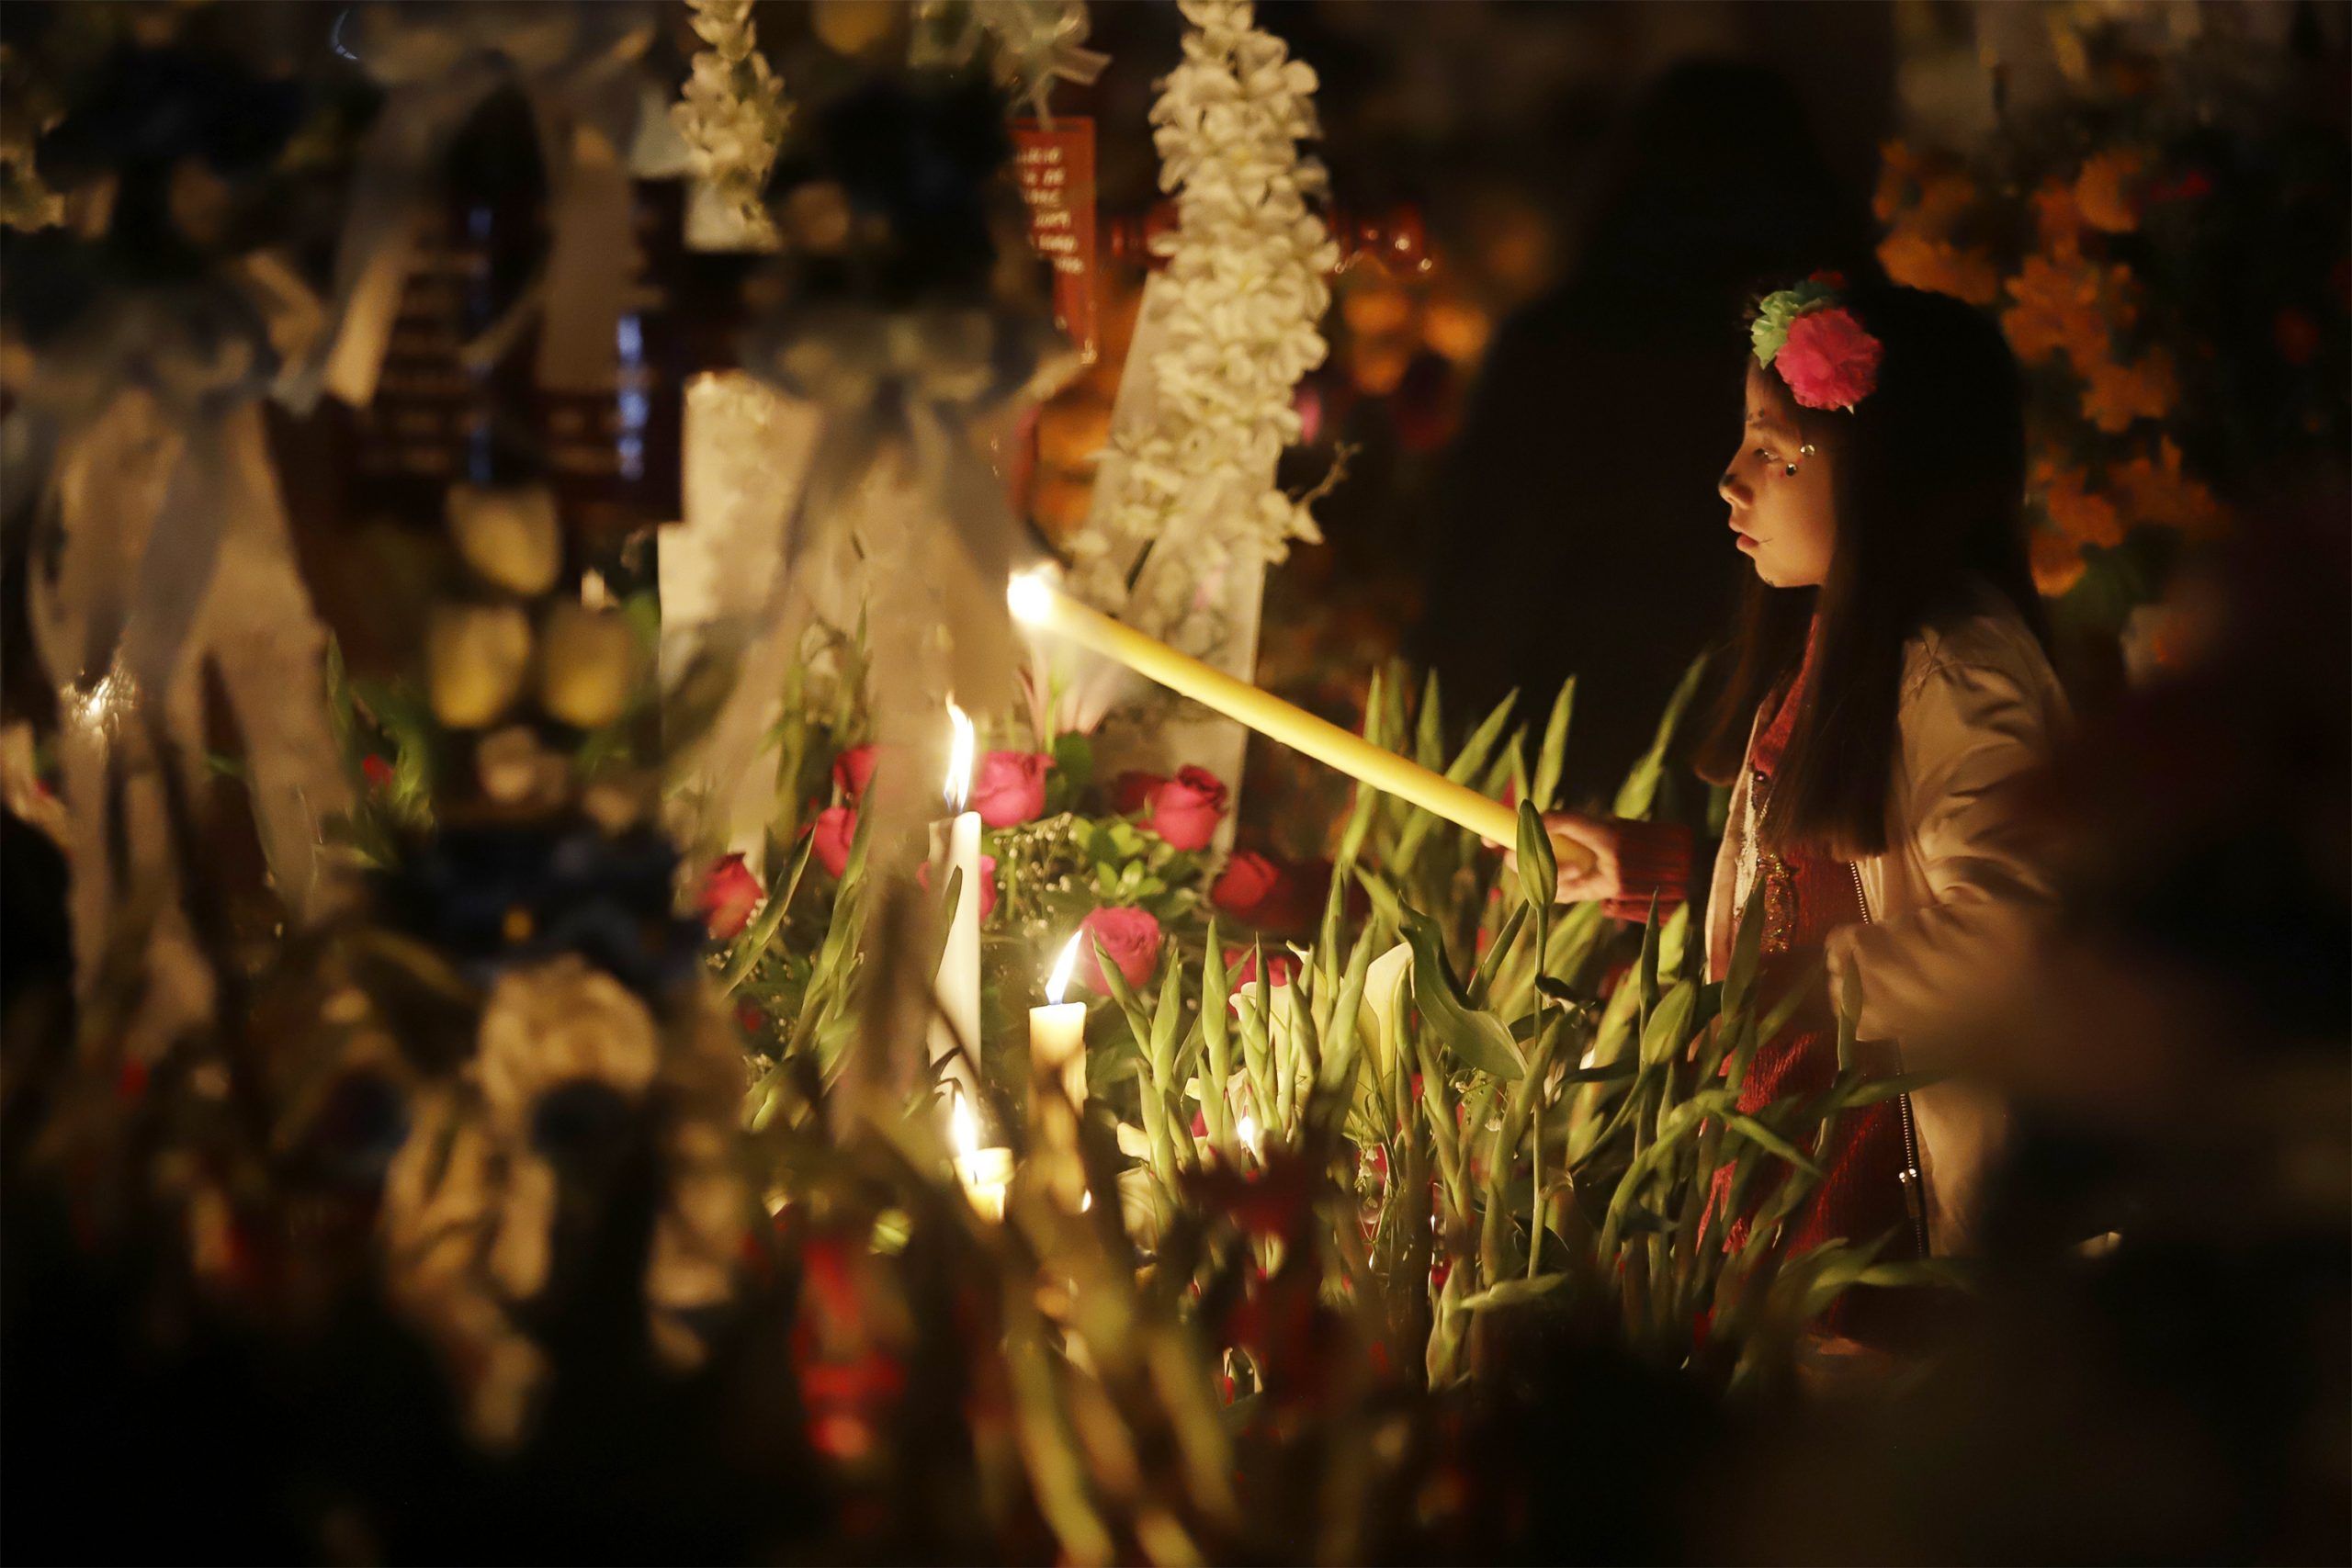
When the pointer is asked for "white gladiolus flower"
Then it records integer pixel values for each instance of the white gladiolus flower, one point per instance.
(1245, 281)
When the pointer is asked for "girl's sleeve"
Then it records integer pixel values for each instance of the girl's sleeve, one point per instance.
(1974, 736)
(1653, 858)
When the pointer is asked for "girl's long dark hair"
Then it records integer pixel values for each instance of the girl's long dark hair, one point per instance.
(1929, 491)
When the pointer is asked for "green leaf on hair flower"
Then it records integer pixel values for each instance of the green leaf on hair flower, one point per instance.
(1776, 310)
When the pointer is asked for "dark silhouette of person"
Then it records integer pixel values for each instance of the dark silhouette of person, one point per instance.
(1577, 529)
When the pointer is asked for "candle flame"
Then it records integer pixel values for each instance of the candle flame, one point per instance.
(1029, 595)
(1248, 1129)
(1066, 966)
(958, 788)
(964, 1127)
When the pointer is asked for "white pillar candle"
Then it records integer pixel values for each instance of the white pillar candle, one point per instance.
(985, 1173)
(957, 844)
(1058, 1031)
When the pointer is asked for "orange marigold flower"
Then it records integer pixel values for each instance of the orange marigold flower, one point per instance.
(2115, 395)
(1940, 266)
(2057, 221)
(2057, 562)
(1898, 171)
(2154, 490)
(1928, 192)
(2067, 305)
(2106, 189)
(2080, 512)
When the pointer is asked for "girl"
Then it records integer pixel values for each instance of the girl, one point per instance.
(1890, 692)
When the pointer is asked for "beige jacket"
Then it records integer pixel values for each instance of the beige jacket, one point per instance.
(1961, 895)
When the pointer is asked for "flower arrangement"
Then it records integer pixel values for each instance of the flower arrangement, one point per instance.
(1061, 849)
(1246, 283)
(2155, 244)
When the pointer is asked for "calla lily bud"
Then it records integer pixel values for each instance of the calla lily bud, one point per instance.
(475, 656)
(508, 536)
(588, 662)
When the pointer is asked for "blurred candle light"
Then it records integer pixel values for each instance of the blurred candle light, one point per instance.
(985, 1173)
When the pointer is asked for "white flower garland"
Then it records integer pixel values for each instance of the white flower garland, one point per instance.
(1248, 266)
(733, 113)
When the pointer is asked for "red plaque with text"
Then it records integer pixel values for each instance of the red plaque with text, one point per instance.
(1056, 172)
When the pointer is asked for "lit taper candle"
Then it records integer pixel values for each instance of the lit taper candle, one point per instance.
(984, 1173)
(1058, 1030)
(957, 844)
(1035, 602)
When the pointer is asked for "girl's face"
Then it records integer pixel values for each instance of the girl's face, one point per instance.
(1779, 491)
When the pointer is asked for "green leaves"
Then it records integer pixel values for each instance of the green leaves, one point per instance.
(1513, 1292)
(1639, 792)
(754, 943)
(1539, 867)
(1553, 759)
(1478, 1038)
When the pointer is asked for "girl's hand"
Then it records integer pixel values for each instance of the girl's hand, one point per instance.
(1598, 834)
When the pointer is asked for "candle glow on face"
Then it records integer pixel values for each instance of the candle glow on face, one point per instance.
(1058, 983)
(958, 787)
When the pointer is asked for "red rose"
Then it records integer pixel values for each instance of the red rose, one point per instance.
(1011, 787)
(1133, 790)
(852, 770)
(1185, 809)
(729, 894)
(1273, 895)
(987, 883)
(1132, 939)
(377, 772)
(1241, 967)
(836, 826)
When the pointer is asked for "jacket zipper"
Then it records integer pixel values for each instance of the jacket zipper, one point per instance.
(1913, 1178)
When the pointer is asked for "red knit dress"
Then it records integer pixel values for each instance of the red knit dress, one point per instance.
(1806, 896)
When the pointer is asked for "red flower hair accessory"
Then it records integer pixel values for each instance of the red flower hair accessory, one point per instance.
(1826, 356)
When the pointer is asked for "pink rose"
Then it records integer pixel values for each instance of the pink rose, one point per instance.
(1133, 791)
(1132, 939)
(1011, 787)
(987, 883)
(1829, 361)
(852, 770)
(729, 893)
(1185, 809)
(1241, 967)
(1271, 894)
(836, 826)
